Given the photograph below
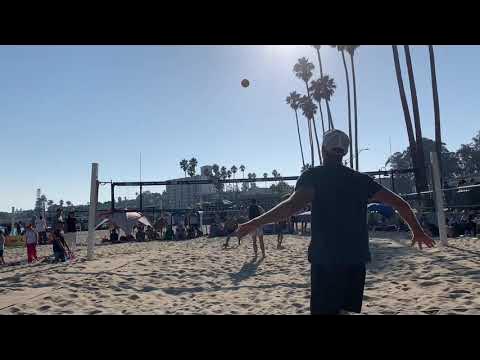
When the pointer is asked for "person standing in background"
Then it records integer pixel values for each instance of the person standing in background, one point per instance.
(31, 240)
(2, 246)
(59, 219)
(71, 231)
(41, 228)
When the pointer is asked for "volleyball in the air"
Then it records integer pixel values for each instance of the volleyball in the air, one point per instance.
(245, 83)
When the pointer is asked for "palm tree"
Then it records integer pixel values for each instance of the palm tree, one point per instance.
(215, 169)
(229, 175)
(69, 203)
(406, 113)
(60, 203)
(341, 49)
(293, 100)
(317, 48)
(234, 169)
(303, 70)
(351, 51)
(184, 166)
(309, 109)
(254, 176)
(223, 172)
(242, 169)
(436, 108)
(265, 176)
(324, 88)
(192, 165)
(416, 121)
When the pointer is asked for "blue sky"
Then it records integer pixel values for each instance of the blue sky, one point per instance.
(63, 107)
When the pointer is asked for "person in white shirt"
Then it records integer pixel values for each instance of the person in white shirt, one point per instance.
(41, 229)
(31, 239)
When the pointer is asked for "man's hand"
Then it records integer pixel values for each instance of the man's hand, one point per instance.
(245, 229)
(422, 238)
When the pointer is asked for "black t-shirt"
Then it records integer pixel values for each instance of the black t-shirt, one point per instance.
(254, 211)
(71, 224)
(59, 244)
(339, 214)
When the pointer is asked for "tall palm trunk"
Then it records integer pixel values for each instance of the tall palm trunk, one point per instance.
(330, 119)
(349, 108)
(320, 103)
(321, 117)
(299, 139)
(315, 131)
(312, 153)
(406, 113)
(355, 112)
(436, 109)
(416, 120)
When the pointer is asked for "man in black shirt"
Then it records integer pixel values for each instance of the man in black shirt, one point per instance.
(255, 211)
(71, 231)
(338, 252)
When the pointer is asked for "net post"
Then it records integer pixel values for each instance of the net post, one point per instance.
(92, 211)
(438, 199)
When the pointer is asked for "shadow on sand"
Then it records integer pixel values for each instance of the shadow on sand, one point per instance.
(248, 269)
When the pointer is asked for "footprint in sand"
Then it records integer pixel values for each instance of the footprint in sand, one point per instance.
(44, 308)
(149, 288)
(429, 283)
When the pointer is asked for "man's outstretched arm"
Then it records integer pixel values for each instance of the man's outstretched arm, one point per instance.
(387, 197)
(296, 202)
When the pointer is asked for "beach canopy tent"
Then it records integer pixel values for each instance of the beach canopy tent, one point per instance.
(384, 210)
(125, 220)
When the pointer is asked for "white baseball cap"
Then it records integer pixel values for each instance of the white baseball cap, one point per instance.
(336, 141)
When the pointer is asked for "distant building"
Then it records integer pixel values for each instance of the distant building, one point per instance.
(186, 196)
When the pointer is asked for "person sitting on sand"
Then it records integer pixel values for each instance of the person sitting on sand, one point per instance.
(231, 225)
(114, 235)
(337, 253)
(60, 246)
(3, 239)
(151, 233)
(140, 235)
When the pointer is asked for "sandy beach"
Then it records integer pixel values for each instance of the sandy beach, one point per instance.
(198, 277)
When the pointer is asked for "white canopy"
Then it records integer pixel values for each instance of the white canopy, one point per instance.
(125, 220)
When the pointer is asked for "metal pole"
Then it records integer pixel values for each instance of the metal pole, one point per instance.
(439, 207)
(141, 199)
(392, 179)
(112, 194)
(13, 221)
(92, 210)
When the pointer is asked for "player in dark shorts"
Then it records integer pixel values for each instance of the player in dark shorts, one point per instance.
(281, 229)
(337, 253)
(254, 211)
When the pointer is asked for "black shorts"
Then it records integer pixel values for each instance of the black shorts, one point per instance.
(336, 288)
